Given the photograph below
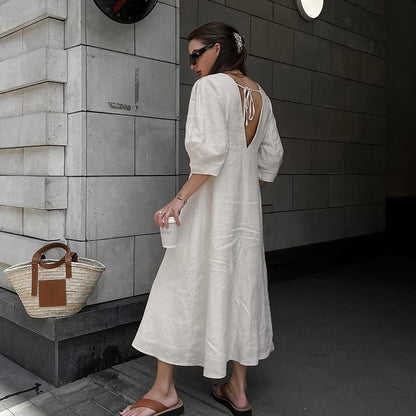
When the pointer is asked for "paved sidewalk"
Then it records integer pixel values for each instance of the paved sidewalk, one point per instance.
(345, 346)
(109, 391)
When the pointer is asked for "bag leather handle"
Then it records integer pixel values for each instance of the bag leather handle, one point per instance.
(39, 256)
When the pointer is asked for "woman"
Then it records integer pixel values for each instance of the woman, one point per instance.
(209, 302)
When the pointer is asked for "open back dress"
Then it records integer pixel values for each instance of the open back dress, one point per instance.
(209, 302)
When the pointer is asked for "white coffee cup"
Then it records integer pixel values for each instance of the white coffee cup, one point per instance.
(169, 235)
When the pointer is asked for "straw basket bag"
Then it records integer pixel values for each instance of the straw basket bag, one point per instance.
(54, 288)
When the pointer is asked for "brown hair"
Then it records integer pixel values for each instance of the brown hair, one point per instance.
(229, 57)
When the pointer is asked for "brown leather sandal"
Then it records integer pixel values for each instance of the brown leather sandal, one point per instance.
(160, 408)
(225, 401)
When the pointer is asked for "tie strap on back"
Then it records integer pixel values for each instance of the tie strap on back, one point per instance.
(248, 103)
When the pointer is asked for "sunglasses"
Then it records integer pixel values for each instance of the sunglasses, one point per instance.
(193, 57)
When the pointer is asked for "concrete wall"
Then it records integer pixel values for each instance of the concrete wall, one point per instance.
(327, 82)
(88, 126)
(401, 136)
(91, 141)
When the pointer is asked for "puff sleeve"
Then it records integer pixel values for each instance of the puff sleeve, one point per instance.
(206, 137)
(271, 150)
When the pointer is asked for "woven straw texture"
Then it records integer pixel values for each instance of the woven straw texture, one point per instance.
(85, 274)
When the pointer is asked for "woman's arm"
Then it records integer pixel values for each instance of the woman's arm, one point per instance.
(174, 207)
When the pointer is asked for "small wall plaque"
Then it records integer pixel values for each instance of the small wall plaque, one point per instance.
(126, 11)
(310, 9)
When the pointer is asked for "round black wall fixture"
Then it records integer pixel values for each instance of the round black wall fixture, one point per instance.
(126, 11)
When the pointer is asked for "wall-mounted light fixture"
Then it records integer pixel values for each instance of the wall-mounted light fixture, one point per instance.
(126, 11)
(310, 9)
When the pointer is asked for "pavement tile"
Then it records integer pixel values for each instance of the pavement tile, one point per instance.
(66, 412)
(91, 408)
(26, 409)
(48, 403)
(72, 398)
(111, 402)
(70, 388)
(137, 376)
(119, 383)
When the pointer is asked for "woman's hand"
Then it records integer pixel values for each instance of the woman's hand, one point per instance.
(175, 206)
(173, 209)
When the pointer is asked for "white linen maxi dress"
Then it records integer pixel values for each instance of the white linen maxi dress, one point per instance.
(209, 302)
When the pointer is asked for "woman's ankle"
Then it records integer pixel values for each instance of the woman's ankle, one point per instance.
(237, 394)
(167, 396)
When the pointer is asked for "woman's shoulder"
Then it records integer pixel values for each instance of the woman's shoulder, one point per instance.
(219, 83)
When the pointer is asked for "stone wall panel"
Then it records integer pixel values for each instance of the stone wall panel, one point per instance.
(372, 189)
(11, 104)
(278, 196)
(271, 41)
(260, 8)
(76, 87)
(11, 161)
(335, 12)
(102, 32)
(261, 70)
(365, 98)
(34, 67)
(360, 220)
(288, 117)
(328, 224)
(293, 228)
(291, 18)
(44, 161)
(361, 43)
(11, 219)
(148, 256)
(45, 225)
(46, 97)
(338, 125)
(110, 144)
(155, 146)
(117, 280)
(75, 219)
(48, 33)
(375, 6)
(344, 190)
(359, 158)
(142, 86)
(75, 24)
(24, 13)
(155, 36)
(33, 130)
(292, 83)
(328, 157)
(189, 17)
(34, 192)
(373, 69)
(76, 149)
(297, 158)
(328, 91)
(311, 52)
(310, 191)
(344, 62)
(116, 206)
(330, 32)
(372, 129)
(11, 46)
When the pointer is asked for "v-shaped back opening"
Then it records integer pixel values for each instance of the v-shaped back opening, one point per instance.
(251, 111)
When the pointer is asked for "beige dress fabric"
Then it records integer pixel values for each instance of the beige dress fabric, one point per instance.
(209, 302)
